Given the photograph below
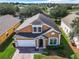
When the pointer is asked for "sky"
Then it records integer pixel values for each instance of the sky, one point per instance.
(42, 1)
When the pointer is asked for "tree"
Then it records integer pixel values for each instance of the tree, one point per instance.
(67, 6)
(17, 9)
(75, 28)
(7, 9)
(29, 11)
(58, 12)
(44, 8)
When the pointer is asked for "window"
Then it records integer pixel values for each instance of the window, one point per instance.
(37, 28)
(53, 41)
(66, 30)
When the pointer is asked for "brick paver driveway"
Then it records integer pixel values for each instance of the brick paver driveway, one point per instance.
(18, 55)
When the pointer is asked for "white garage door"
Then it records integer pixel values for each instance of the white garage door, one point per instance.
(26, 43)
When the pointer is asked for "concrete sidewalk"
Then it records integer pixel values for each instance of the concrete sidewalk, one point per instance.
(18, 55)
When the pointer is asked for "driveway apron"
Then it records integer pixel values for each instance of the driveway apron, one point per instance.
(18, 55)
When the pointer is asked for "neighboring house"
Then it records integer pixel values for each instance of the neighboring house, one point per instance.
(8, 24)
(66, 26)
(37, 31)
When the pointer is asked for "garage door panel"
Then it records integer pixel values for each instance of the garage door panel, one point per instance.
(26, 43)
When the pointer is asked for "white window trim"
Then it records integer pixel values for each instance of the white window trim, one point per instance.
(37, 28)
(52, 38)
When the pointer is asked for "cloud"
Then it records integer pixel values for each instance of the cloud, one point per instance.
(42, 1)
(65, 1)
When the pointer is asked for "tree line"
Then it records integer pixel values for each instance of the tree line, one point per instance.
(30, 10)
(7, 9)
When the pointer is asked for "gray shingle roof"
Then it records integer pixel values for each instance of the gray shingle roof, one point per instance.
(49, 22)
(69, 18)
(39, 19)
(37, 22)
(6, 22)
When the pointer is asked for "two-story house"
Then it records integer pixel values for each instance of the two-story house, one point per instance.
(66, 26)
(37, 31)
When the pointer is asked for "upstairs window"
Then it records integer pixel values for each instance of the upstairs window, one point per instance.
(36, 28)
(39, 29)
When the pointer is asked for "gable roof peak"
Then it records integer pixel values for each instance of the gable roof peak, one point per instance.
(69, 18)
(39, 19)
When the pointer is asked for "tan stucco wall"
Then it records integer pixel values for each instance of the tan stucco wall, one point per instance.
(29, 28)
(24, 39)
(46, 40)
(50, 35)
(5, 35)
(45, 27)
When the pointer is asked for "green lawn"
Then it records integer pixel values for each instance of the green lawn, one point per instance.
(6, 49)
(41, 56)
(66, 52)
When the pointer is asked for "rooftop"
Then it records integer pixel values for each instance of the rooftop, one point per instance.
(37, 20)
(69, 18)
(6, 22)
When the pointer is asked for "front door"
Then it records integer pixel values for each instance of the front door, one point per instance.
(40, 42)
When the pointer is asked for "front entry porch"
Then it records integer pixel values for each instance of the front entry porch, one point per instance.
(42, 42)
